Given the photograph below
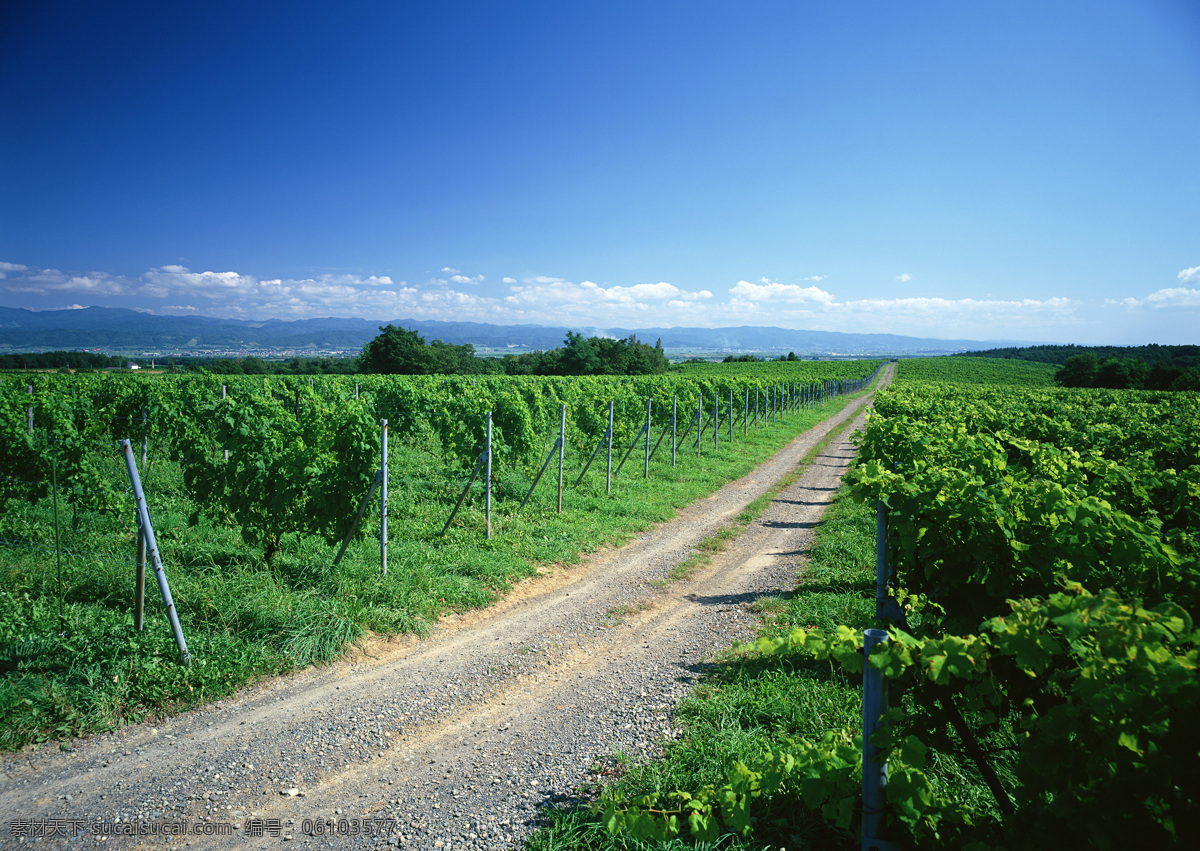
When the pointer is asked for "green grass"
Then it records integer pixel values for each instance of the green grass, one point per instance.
(89, 670)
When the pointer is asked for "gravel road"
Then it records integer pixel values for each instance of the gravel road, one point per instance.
(456, 741)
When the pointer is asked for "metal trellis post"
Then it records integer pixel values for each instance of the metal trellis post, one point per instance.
(874, 767)
(608, 486)
(383, 498)
(487, 498)
(562, 450)
(152, 547)
(646, 472)
(674, 414)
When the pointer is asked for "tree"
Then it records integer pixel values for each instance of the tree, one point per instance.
(1078, 371)
(642, 358)
(581, 356)
(1121, 374)
(396, 351)
(1162, 375)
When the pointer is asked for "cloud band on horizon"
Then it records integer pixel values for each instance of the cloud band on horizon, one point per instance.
(453, 295)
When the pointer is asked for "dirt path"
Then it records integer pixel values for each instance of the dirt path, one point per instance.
(456, 741)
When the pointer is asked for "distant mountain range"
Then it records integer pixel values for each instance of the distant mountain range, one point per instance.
(120, 330)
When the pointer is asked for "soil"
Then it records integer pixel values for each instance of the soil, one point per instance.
(459, 740)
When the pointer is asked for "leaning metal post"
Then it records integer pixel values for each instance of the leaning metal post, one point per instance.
(139, 582)
(362, 510)
(542, 471)
(152, 547)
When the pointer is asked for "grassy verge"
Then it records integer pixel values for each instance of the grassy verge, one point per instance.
(750, 702)
(72, 664)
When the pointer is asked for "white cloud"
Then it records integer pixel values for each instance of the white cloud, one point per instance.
(774, 291)
(1190, 276)
(1175, 296)
(455, 277)
(10, 267)
(54, 284)
(549, 300)
(1171, 297)
(168, 279)
(508, 280)
(904, 278)
(795, 306)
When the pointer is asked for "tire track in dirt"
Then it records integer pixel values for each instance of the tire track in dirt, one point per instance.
(458, 740)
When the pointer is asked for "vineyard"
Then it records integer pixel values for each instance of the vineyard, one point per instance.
(253, 484)
(1041, 649)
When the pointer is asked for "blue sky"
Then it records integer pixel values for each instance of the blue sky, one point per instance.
(987, 170)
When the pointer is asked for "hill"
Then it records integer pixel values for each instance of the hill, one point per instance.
(129, 331)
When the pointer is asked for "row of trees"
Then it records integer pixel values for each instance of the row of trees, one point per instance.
(397, 351)
(1182, 356)
(790, 356)
(250, 365)
(1151, 367)
(581, 355)
(253, 365)
(400, 351)
(61, 360)
(1119, 373)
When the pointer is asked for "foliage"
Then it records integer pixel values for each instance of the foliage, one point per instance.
(976, 370)
(1092, 695)
(581, 355)
(1098, 691)
(253, 365)
(993, 495)
(399, 351)
(828, 773)
(1151, 367)
(286, 471)
(1185, 356)
(59, 448)
(60, 359)
(1121, 373)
